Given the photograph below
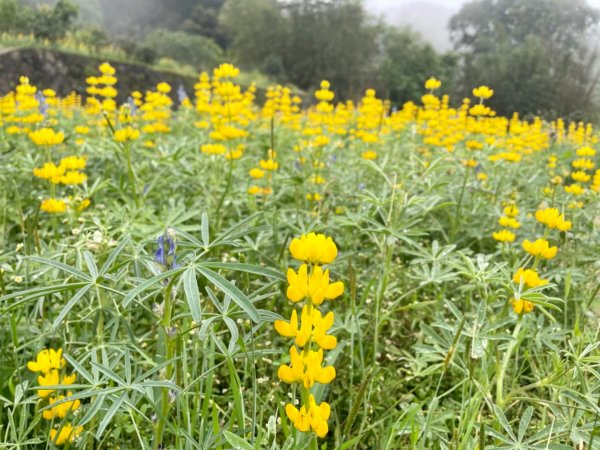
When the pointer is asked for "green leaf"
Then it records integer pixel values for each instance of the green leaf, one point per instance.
(524, 422)
(60, 266)
(110, 414)
(237, 442)
(91, 264)
(204, 230)
(241, 267)
(192, 295)
(38, 292)
(149, 283)
(113, 256)
(230, 289)
(502, 419)
(63, 313)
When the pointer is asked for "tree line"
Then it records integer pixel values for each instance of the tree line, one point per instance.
(540, 56)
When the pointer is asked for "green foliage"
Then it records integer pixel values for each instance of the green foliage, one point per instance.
(44, 22)
(407, 61)
(197, 51)
(537, 55)
(305, 41)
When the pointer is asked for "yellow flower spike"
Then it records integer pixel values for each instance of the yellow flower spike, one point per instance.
(483, 92)
(47, 360)
(504, 236)
(256, 173)
(288, 329)
(511, 210)
(69, 379)
(49, 171)
(73, 163)
(61, 410)
(51, 378)
(521, 306)
(298, 417)
(509, 222)
(306, 368)
(529, 277)
(314, 417)
(319, 288)
(553, 219)
(540, 247)
(46, 136)
(319, 414)
(313, 248)
(432, 83)
(67, 434)
(316, 286)
(126, 134)
(320, 327)
(53, 205)
(298, 284)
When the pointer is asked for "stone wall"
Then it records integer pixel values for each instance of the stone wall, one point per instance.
(65, 72)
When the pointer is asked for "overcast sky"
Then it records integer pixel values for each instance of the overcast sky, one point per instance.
(381, 5)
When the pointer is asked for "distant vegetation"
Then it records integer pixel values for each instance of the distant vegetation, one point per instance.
(538, 68)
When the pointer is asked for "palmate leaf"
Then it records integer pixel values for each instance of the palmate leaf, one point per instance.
(149, 283)
(230, 289)
(192, 295)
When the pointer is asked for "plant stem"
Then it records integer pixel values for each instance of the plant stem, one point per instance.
(168, 345)
(505, 361)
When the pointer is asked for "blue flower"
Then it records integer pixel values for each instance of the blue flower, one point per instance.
(165, 254)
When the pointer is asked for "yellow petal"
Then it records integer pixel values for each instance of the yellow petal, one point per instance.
(326, 375)
(286, 374)
(334, 290)
(284, 328)
(292, 412)
(327, 342)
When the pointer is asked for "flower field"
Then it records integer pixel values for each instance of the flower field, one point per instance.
(232, 268)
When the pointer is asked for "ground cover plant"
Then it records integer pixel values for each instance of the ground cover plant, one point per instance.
(211, 271)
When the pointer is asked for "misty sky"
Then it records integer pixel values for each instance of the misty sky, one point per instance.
(382, 5)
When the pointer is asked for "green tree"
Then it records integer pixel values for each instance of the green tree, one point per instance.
(255, 30)
(198, 51)
(407, 62)
(305, 41)
(52, 23)
(535, 54)
(204, 20)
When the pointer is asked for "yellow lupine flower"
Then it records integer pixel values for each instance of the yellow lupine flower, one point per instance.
(313, 248)
(46, 136)
(529, 277)
(509, 222)
(256, 173)
(61, 410)
(67, 433)
(306, 368)
(126, 134)
(50, 171)
(73, 177)
(369, 155)
(511, 210)
(504, 236)
(53, 205)
(521, 306)
(483, 92)
(553, 219)
(314, 286)
(313, 327)
(432, 83)
(540, 247)
(314, 417)
(47, 360)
